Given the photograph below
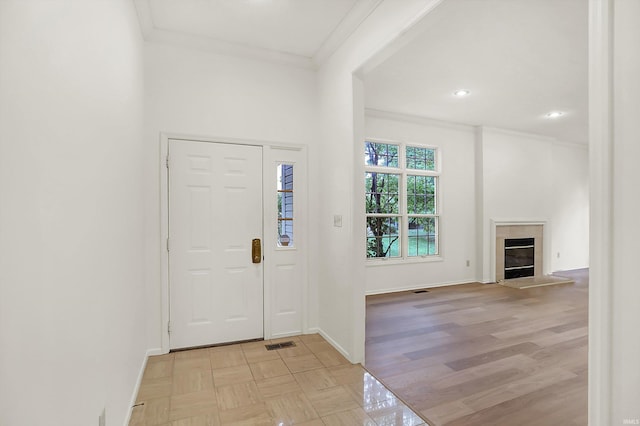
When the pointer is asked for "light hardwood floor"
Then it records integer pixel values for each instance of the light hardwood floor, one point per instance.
(310, 384)
(485, 354)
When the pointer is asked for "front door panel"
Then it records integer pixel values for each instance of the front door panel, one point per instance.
(215, 212)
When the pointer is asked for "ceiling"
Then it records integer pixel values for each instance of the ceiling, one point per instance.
(300, 32)
(518, 58)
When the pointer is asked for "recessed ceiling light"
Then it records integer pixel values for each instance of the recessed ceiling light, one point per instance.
(554, 114)
(461, 93)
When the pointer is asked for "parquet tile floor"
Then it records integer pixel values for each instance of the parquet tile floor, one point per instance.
(487, 354)
(309, 384)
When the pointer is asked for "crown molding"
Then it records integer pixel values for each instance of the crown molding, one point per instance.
(230, 49)
(569, 144)
(416, 119)
(552, 140)
(156, 35)
(510, 132)
(347, 26)
(412, 29)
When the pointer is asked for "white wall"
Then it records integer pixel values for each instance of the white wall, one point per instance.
(517, 175)
(457, 195)
(525, 177)
(516, 183)
(570, 207)
(201, 93)
(625, 291)
(341, 288)
(72, 309)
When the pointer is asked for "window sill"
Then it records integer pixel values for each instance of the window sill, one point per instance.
(404, 261)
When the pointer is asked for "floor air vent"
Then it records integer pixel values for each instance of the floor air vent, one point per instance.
(421, 291)
(275, 346)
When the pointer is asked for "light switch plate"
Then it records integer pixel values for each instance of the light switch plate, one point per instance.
(337, 220)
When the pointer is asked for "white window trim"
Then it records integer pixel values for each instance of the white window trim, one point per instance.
(293, 246)
(403, 215)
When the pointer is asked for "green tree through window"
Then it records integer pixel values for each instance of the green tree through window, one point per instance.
(401, 201)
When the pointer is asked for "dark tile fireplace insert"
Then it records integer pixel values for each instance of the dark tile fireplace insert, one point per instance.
(519, 257)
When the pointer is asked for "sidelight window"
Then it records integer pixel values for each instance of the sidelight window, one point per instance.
(285, 205)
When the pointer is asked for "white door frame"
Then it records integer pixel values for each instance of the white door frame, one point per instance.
(600, 210)
(268, 227)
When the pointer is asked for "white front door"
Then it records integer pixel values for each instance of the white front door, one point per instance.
(215, 212)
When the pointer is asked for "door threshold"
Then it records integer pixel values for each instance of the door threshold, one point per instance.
(215, 345)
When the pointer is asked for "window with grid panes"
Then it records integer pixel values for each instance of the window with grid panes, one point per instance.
(401, 197)
(285, 205)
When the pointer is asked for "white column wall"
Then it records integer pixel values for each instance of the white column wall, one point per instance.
(625, 291)
(72, 299)
(341, 287)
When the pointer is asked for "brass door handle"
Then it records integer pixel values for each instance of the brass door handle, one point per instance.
(256, 250)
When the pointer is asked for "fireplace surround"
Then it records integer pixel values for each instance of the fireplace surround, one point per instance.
(528, 239)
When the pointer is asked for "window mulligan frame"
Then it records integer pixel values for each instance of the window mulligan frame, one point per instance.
(403, 221)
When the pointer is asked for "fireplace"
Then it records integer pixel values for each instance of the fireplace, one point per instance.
(519, 257)
(518, 250)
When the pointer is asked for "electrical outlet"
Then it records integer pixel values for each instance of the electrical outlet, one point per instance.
(102, 420)
(468, 263)
(558, 256)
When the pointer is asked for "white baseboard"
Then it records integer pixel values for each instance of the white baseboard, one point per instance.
(285, 334)
(154, 352)
(330, 340)
(316, 330)
(312, 330)
(419, 287)
(150, 352)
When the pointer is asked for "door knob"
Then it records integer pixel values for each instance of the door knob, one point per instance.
(256, 250)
